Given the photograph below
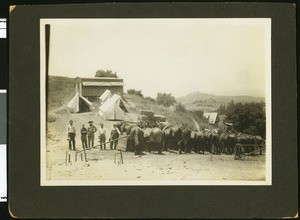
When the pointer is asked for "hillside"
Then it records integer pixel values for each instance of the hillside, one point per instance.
(62, 89)
(136, 104)
(209, 102)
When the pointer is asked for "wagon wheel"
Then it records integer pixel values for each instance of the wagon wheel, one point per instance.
(236, 157)
(234, 151)
(242, 156)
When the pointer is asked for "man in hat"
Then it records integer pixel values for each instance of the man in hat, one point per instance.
(71, 135)
(90, 132)
(114, 134)
(102, 136)
(83, 132)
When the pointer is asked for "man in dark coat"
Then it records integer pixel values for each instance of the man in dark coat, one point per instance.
(102, 136)
(83, 132)
(114, 134)
(90, 132)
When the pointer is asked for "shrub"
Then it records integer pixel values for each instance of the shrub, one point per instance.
(199, 113)
(107, 73)
(51, 117)
(135, 92)
(181, 108)
(150, 99)
(165, 99)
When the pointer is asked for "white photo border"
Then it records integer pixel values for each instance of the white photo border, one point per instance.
(268, 168)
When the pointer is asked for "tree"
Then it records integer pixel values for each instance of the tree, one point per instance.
(179, 107)
(150, 99)
(135, 92)
(165, 99)
(221, 110)
(199, 113)
(249, 118)
(230, 107)
(107, 73)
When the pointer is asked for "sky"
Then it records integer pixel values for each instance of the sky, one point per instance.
(177, 56)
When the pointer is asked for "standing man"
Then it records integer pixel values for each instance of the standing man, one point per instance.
(102, 136)
(83, 132)
(90, 132)
(71, 135)
(114, 134)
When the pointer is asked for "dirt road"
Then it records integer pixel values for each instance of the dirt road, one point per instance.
(151, 167)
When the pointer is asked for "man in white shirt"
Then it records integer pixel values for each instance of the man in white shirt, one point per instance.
(102, 136)
(71, 135)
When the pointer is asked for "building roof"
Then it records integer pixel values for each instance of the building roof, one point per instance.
(99, 79)
(212, 117)
(103, 83)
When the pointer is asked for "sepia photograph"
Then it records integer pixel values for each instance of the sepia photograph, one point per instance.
(183, 101)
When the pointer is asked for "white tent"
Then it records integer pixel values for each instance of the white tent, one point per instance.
(113, 109)
(212, 117)
(79, 104)
(105, 95)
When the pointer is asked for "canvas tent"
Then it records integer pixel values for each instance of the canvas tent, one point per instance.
(79, 104)
(113, 108)
(105, 95)
(213, 117)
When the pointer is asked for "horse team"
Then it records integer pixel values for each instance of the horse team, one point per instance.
(185, 140)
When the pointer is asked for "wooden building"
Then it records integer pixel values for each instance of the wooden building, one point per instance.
(95, 87)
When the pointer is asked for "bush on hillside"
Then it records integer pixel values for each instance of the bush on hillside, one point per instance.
(221, 110)
(150, 99)
(135, 92)
(165, 99)
(179, 107)
(199, 113)
(107, 73)
(51, 117)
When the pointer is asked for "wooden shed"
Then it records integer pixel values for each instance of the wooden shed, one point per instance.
(95, 87)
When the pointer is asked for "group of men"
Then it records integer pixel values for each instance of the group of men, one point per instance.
(88, 136)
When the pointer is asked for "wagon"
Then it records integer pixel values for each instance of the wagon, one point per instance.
(239, 152)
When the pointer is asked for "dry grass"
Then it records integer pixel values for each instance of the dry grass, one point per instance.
(51, 117)
(60, 92)
(136, 104)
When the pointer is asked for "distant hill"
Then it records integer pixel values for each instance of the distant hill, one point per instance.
(210, 102)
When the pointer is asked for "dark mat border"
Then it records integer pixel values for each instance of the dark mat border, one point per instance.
(28, 199)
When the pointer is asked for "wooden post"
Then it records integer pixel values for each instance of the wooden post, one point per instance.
(85, 155)
(121, 157)
(68, 158)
